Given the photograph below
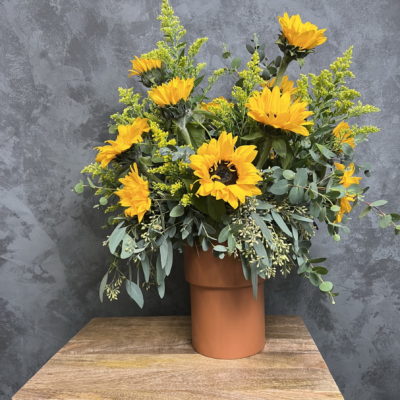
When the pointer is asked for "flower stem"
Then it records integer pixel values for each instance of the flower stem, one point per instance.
(184, 132)
(185, 135)
(282, 69)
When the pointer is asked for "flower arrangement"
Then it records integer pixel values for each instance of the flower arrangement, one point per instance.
(250, 176)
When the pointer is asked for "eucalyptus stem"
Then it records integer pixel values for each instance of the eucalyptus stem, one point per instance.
(282, 69)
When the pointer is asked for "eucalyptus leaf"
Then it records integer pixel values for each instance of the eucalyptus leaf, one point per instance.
(204, 244)
(314, 279)
(223, 235)
(220, 248)
(304, 267)
(264, 229)
(78, 188)
(317, 260)
(301, 218)
(262, 205)
(364, 212)
(280, 187)
(325, 151)
(281, 223)
(128, 247)
(231, 243)
(301, 178)
(326, 286)
(145, 266)
(160, 277)
(170, 258)
(116, 237)
(315, 209)
(102, 287)
(296, 195)
(378, 203)
(245, 269)
(103, 201)
(385, 221)
(164, 253)
(254, 279)
(135, 292)
(395, 217)
(320, 270)
(288, 174)
(177, 211)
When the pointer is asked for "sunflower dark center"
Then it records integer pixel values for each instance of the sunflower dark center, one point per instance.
(226, 172)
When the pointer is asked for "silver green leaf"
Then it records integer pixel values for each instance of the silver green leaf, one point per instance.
(135, 292)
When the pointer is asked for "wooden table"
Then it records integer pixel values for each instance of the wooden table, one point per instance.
(151, 358)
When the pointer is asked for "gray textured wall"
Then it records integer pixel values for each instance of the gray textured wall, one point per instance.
(61, 62)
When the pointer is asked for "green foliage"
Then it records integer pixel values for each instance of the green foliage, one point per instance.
(306, 180)
(177, 56)
(331, 100)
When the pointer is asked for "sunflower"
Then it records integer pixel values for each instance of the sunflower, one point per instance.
(127, 136)
(343, 134)
(135, 194)
(225, 172)
(286, 85)
(172, 92)
(347, 178)
(299, 34)
(142, 65)
(271, 107)
(345, 206)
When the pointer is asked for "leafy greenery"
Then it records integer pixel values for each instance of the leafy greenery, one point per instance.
(305, 180)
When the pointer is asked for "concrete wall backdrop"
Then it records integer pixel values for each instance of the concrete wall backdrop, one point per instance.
(61, 63)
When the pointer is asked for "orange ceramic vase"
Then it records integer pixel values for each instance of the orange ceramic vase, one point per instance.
(227, 321)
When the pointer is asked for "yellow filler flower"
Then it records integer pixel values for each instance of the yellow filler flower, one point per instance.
(142, 65)
(286, 85)
(343, 134)
(172, 92)
(347, 178)
(271, 107)
(345, 206)
(225, 172)
(215, 104)
(127, 136)
(135, 194)
(299, 34)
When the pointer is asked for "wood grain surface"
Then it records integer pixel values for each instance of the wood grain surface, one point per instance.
(151, 358)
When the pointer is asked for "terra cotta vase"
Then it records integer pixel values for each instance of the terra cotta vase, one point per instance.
(227, 321)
